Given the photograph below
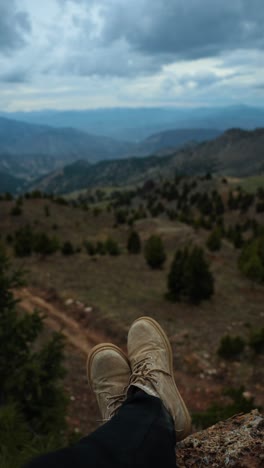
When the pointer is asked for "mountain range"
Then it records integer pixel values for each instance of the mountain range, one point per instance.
(28, 150)
(136, 124)
(235, 153)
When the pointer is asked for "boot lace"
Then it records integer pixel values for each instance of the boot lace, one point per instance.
(144, 373)
(113, 404)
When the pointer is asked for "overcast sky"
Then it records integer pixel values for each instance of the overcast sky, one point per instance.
(76, 54)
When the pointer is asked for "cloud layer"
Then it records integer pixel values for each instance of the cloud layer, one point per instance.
(172, 51)
(14, 25)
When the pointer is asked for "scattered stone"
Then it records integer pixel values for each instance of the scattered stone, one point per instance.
(206, 355)
(88, 310)
(211, 372)
(69, 302)
(72, 398)
(247, 395)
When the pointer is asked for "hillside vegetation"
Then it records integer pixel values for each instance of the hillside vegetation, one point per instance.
(235, 153)
(76, 256)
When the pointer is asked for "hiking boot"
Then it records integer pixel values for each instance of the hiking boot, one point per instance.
(151, 361)
(108, 373)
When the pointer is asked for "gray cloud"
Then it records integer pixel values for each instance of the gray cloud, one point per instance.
(140, 37)
(14, 76)
(185, 29)
(14, 24)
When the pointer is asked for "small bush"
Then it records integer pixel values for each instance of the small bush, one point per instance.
(67, 248)
(231, 347)
(217, 412)
(100, 248)
(16, 210)
(24, 240)
(45, 245)
(189, 277)
(90, 248)
(134, 243)
(154, 252)
(251, 260)
(47, 210)
(256, 341)
(214, 242)
(112, 247)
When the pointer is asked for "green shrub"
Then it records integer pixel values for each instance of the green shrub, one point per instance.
(231, 347)
(67, 248)
(90, 248)
(47, 210)
(100, 248)
(44, 245)
(112, 247)
(134, 243)
(154, 252)
(219, 412)
(32, 411)
(24, 241)
(214, 240)
(256, 341)
(189, 277)
(16, 210)
(251, 260)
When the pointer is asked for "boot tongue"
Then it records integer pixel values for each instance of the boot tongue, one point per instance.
(149, 389)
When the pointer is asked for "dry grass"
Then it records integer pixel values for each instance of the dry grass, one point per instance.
(124, 288)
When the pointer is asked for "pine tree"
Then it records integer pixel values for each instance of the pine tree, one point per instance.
(176, 275)
(32, 400)
(112, 247)
(251, 260)
(24, 240)
(134, 243)
(214, 240)
(154, 252)
(189, 277)
(198, 280)
(67, 248)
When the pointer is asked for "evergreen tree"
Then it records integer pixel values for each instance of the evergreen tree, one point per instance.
(189, 277)
(154, 252)
(198, 280)
(45, 245)
(176, 275)
(67, 248)
(112, 247)
(134, 243)
(32, 411)
(251, 260)
(24, 241)
(214, 240)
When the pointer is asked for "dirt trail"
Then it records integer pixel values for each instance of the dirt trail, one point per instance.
(56, 319)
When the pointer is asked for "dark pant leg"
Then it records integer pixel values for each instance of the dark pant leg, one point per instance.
(140, 435)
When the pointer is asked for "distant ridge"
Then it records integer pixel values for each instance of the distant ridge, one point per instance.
(29, 151)
(236, 153)
(137, 124)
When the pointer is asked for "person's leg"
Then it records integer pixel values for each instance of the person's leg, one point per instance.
(141, 434)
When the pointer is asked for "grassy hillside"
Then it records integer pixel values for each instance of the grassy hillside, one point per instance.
(118, 289)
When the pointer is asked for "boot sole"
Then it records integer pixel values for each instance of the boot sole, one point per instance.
(96, 349)
(169, 350)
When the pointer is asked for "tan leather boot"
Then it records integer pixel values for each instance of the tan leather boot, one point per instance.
(151, 361)
(108, 373)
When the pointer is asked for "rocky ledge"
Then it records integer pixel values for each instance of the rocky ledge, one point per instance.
(237, 442)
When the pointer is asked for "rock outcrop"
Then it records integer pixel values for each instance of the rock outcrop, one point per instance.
(237, 442)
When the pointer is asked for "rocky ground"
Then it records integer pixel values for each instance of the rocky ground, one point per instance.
(237, 442)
